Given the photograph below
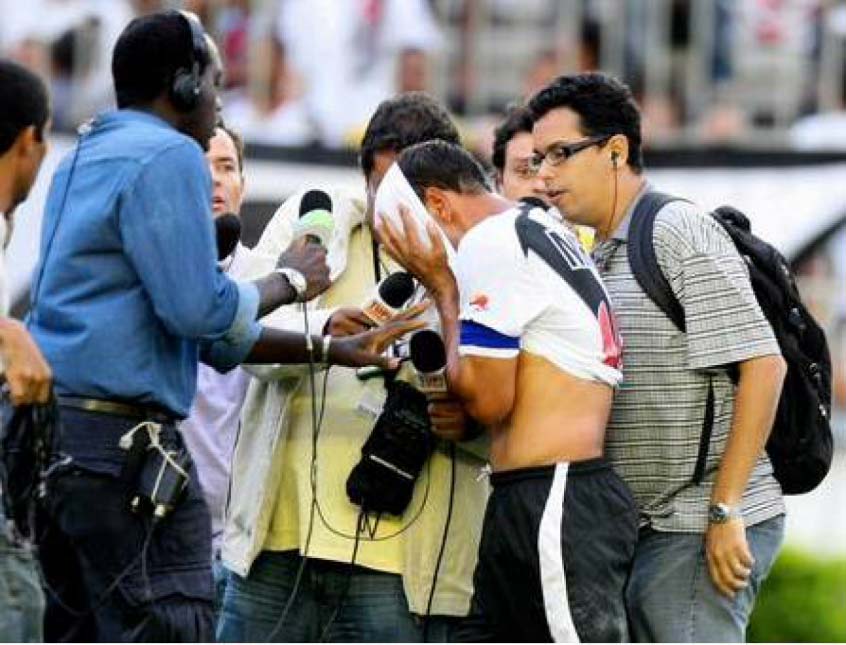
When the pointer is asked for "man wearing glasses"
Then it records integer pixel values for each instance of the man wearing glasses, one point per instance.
(516, 168)
(516, 174)
(704, 547)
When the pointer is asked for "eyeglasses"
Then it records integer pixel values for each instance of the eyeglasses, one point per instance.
(557, 153)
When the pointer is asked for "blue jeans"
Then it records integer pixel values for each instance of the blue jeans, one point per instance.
(21, 598)
(670, 596)
(221, 575)
(115, 576)
(374, 607)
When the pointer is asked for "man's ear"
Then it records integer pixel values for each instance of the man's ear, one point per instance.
(437, 203)
(619, 150)
(27, 142)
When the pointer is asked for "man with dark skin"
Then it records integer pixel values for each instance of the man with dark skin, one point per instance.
(126, 300)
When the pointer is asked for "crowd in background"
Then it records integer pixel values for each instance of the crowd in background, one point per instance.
(765, 72)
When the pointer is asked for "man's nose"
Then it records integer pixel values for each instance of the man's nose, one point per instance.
(538, 184)
(543, 174)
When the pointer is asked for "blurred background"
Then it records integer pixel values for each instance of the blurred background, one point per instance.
(744, 102)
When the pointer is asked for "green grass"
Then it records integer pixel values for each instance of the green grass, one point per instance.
(802, 600)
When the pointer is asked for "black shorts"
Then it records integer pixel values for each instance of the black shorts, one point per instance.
(556, 550)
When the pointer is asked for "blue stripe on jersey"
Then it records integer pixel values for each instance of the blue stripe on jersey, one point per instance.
(472, 333)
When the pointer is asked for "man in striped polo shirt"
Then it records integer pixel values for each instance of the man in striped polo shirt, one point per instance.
(704, 548)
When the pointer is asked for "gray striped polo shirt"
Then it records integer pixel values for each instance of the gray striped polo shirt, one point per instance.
(653, 434)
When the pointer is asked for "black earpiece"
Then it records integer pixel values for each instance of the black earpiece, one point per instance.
(614, 156)
(187, 83)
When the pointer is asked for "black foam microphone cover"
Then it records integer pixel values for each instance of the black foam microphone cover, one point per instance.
(396, 289)
(427, 351)
(227, 228)
(315, 200)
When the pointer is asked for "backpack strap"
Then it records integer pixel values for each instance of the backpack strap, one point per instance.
(644, 260)
(646, 270)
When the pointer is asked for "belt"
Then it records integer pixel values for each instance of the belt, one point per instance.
(117, 408)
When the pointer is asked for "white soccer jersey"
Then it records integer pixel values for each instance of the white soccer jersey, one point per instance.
(527, 284)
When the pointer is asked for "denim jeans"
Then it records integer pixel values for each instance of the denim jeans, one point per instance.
(374, 608)
(21, 598)
(671, 598)
(114, 575)
(221, 575)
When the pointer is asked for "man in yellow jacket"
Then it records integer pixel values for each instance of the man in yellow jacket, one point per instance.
(378, 583)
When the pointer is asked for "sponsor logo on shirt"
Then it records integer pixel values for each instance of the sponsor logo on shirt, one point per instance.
(612, 341)
(479, 302)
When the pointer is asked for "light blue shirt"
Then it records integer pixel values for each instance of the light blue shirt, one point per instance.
(127, 286)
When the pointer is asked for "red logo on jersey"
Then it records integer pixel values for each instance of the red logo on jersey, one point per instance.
(480, 302)
(612, 342)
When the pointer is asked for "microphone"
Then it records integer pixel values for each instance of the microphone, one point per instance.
(315, 223)
(388, 297)
(227, 228)
(428, 355)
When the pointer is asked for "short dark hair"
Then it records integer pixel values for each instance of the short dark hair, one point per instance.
(402, 121)
(439, 164)
(237, 140)
(604, 104)
(518, 119)
(147, 55)
(24, 102)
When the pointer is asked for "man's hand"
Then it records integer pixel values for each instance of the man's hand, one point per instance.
(310, 260)
(449, 421)
(428, 264)
(729, 559)
(29, 377)
(366, 348)
(347, 321)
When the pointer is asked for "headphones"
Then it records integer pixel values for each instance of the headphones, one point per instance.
(614, 156)
(187, 83)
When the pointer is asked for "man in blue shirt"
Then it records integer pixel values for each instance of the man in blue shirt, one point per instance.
(125, 300)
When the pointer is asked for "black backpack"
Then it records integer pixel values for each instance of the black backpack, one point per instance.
(800, 444)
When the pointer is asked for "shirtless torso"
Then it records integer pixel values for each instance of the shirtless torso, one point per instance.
(530, 293)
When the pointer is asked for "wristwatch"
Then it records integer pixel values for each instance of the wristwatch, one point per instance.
(721, 513)
(296, 279)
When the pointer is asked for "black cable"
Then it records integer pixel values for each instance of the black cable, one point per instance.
(317, 424)
(144, 548)
(400, 531)
(82, 617)
(295, 590)
(377, 261)
(359, 527)
(36, 285)
(443, 543)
